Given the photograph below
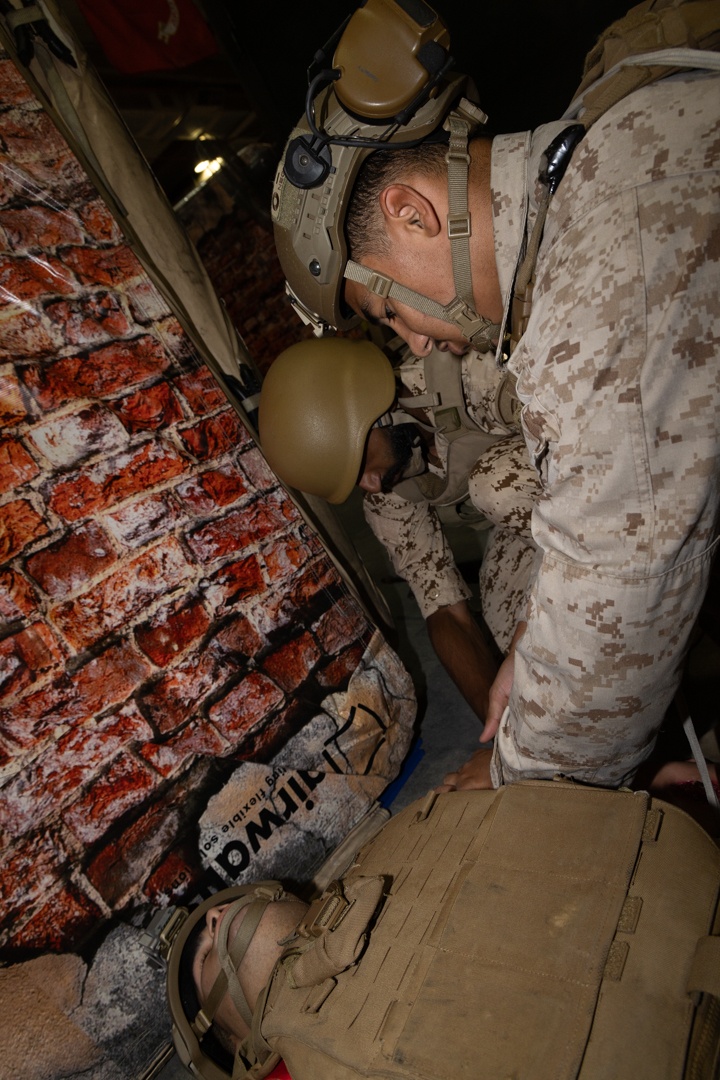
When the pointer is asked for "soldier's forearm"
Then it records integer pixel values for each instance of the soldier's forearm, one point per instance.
(464, 653)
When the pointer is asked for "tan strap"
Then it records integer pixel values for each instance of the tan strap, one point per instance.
(230, 958)
(336, 931)
(458, 220)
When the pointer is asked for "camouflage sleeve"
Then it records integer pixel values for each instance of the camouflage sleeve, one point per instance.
(620, 379)
(413, 537)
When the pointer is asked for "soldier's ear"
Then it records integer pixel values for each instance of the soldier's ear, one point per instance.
(408, 212)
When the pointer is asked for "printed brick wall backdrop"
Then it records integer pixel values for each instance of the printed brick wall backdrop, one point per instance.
(166, 613)
(239, 255)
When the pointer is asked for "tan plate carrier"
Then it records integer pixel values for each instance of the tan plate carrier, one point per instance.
(542, 931)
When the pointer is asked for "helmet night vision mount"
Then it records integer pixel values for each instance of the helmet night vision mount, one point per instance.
(388, 86)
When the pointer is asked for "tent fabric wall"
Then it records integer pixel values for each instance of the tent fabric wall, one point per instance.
(174, 630)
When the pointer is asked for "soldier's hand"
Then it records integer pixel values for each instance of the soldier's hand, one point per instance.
(471, 776)
(499, 694)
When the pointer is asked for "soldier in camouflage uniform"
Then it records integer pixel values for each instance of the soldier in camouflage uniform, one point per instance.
(618, 374)
(480, 476)
(502, 487)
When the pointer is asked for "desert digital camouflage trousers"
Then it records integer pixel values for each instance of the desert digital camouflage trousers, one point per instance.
(502, 487)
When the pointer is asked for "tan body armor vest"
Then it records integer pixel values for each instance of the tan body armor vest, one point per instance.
(541, 931)
(444, 400)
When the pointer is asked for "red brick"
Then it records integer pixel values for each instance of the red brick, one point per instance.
(339, 627)
(201, 391)
(25, 279)
(30, 136)
(7, 756)
(23, 335)
(212, 489)
(104, 266)
(312, 540)
(90, 320)
(178, 694)
(214, 436)
(28, 872)
(147, 305)
(292, 663)
(238, 638)
(177, 342)
(105, 371)
(67, 920)
(35, 172)
(195, 740)
(149, 409)
(17, 597)
(246, 705)
(272, 513)
(266, 739)
(68, 439)
(176, 877)
(98, 487)
(12, 410)
(234, 582)
(26, 656)
(317, 585)
(97, 686)
(13, 88)
(99, 223)
(119, 598)
(171, 630)
(143, 520)
(65, 768)
(336, 674)
(20, 524)
(124, 862)
(258, 471)
(125, 786)
(70, 563)
(239, 529)
(16, 465)
(284, 559)
(39, 227)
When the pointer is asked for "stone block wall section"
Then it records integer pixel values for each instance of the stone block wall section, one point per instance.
(164, 610)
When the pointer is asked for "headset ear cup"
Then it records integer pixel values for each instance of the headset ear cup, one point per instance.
(389, 57)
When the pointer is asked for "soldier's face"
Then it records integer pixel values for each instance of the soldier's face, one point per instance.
(388, 453)
(379, 461)
(421, 332)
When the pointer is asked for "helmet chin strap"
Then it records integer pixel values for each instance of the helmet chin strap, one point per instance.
(460, 312)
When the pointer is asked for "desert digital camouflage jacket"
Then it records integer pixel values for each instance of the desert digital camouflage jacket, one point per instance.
(618, 373)
(501, 486)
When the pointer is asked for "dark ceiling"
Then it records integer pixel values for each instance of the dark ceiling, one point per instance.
(525, 55)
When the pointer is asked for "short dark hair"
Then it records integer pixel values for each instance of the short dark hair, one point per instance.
(364, 223)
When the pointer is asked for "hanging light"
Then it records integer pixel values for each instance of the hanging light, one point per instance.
(206, 169)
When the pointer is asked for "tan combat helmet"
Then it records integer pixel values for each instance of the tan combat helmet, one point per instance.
(389, 86)
(200, 1051)
(318, 402)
